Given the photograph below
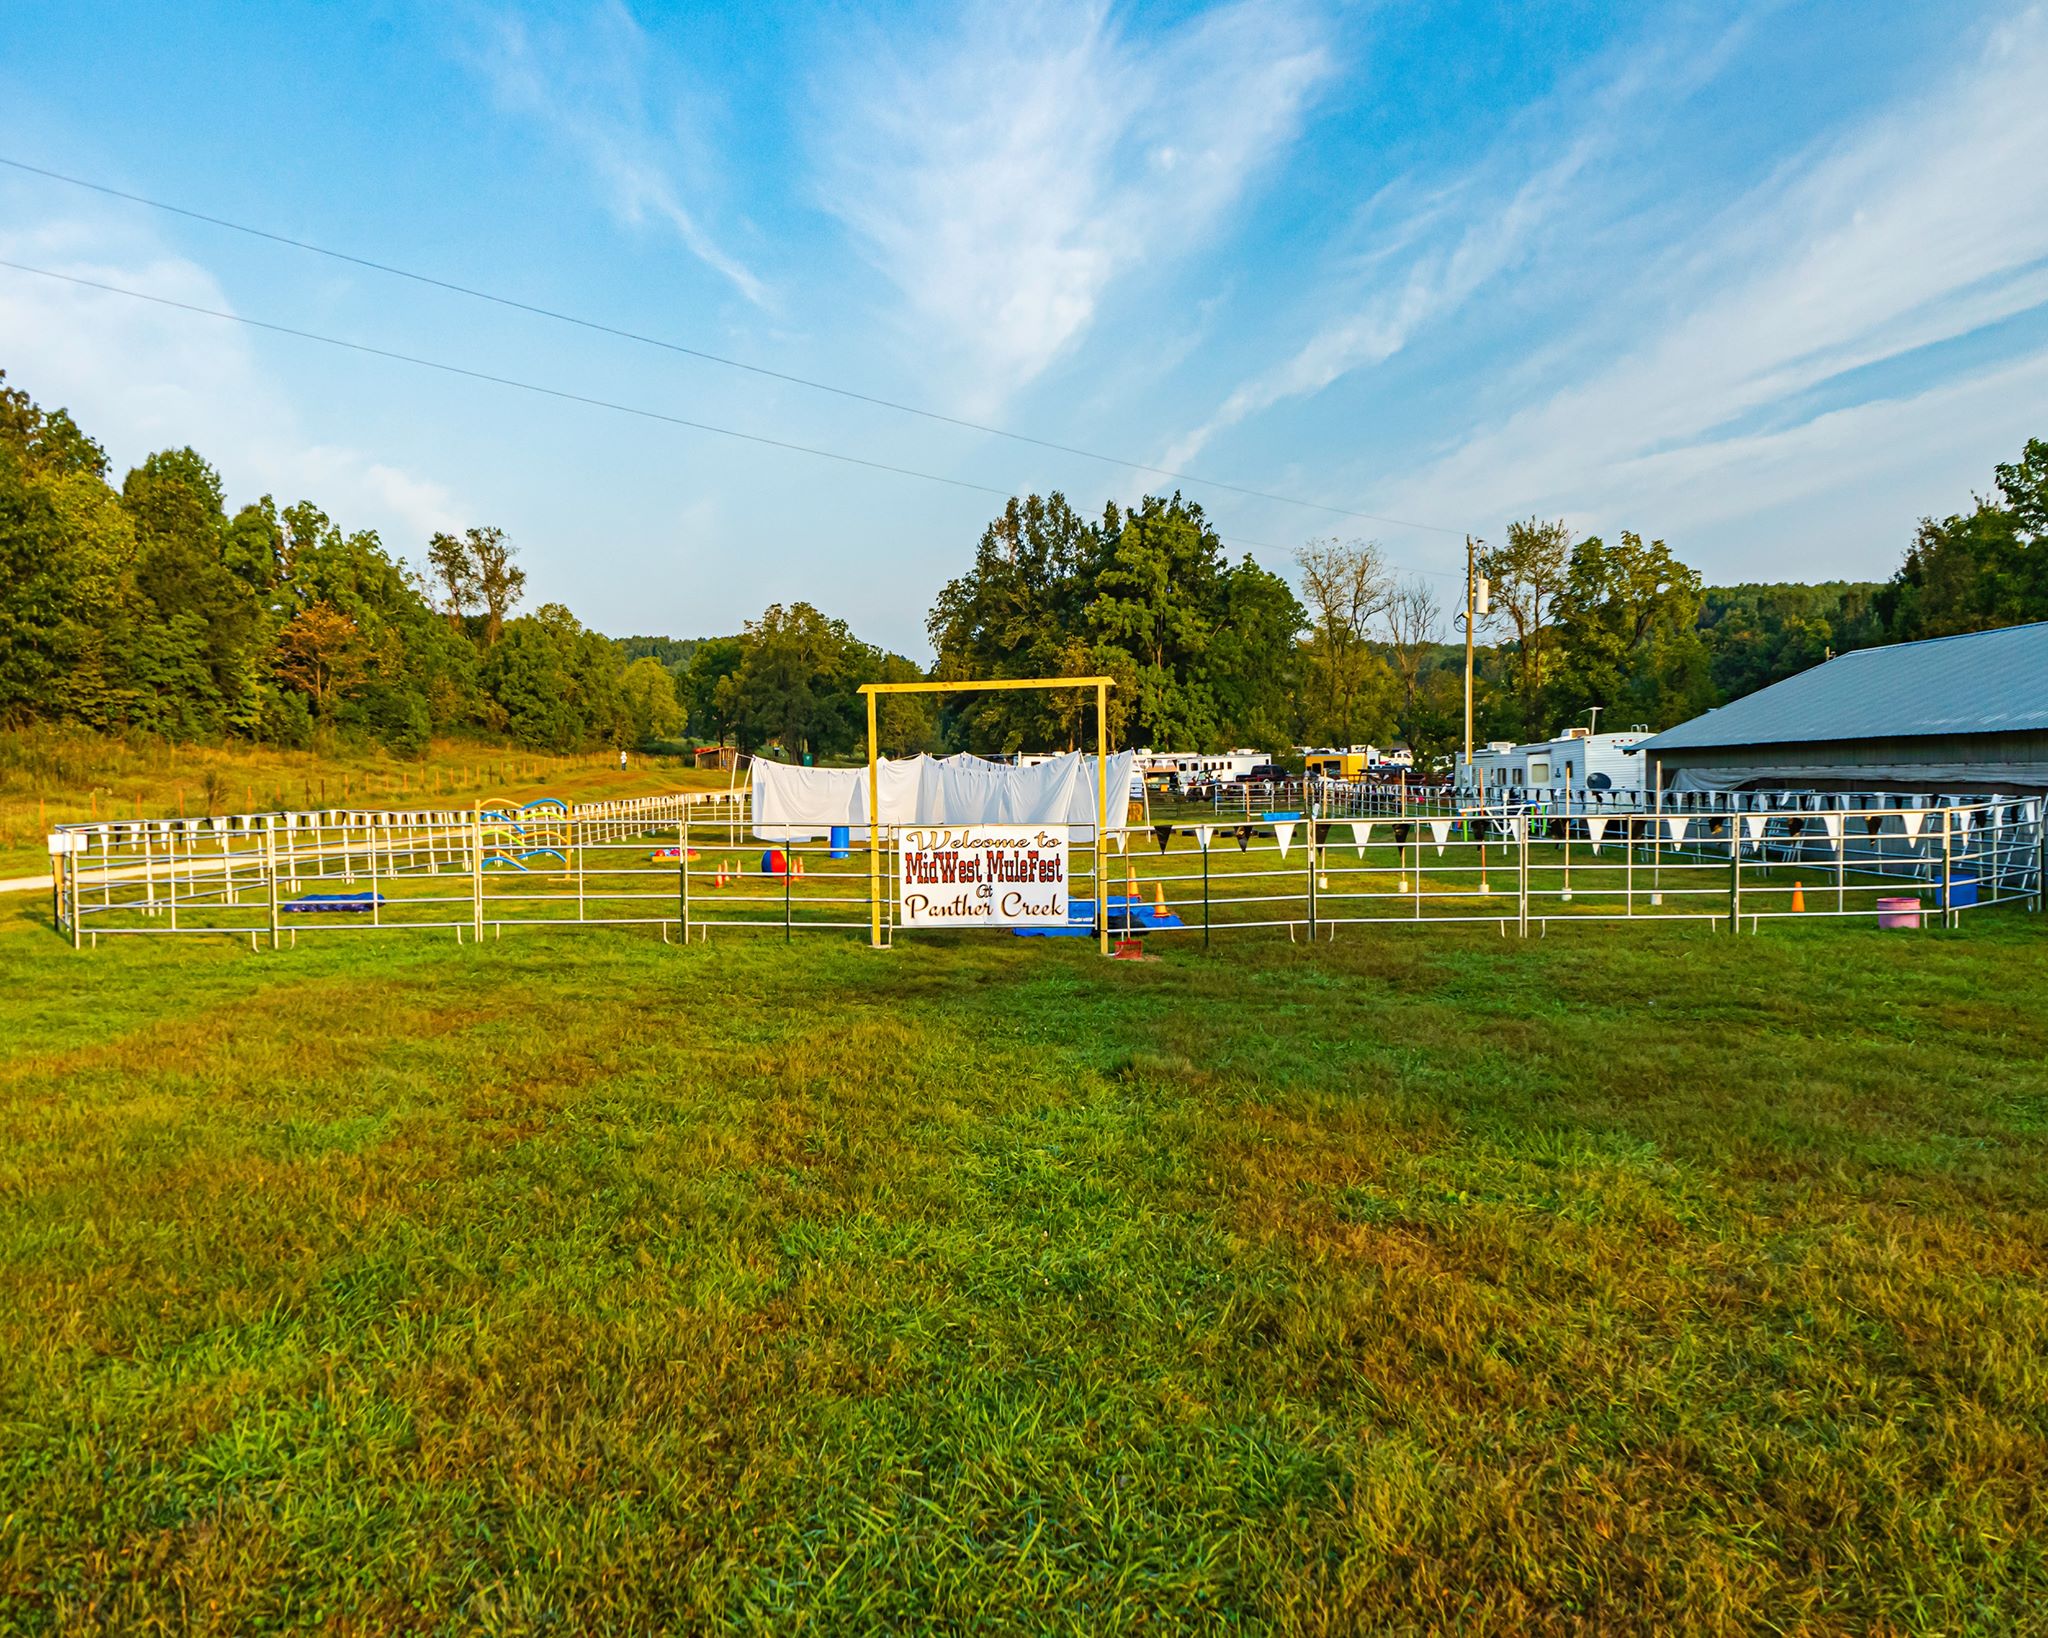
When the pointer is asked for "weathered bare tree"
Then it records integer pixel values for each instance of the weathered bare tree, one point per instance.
(1413, 618)
(1345, 584)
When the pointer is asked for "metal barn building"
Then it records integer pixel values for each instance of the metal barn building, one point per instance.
(1966, 713)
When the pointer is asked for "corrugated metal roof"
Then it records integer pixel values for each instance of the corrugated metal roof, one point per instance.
(1982, 682)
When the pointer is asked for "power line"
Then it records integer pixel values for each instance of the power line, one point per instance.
(600, 328)
(500, 380)
(560, 393)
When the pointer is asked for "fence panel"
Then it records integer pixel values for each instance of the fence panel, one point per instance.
(1382, 858)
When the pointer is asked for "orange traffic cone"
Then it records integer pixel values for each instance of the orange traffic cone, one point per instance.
(1131, 887)
(1798, 899)
(796, 866)
(719, 879)
(1159, 900)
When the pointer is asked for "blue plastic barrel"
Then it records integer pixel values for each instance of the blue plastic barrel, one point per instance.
(842, 841)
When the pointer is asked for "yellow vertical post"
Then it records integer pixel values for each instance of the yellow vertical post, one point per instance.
(1102, 816)
(874, 835)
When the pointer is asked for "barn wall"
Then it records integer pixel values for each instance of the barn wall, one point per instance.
(1951, 762)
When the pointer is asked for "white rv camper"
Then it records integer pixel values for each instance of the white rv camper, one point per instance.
(1577, 772)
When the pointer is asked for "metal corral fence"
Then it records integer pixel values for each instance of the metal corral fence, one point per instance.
(686, 863)
(271, 876)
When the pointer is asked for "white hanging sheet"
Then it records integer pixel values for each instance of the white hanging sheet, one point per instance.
(799, 804)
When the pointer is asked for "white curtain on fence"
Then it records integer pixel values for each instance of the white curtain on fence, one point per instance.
(798, 804)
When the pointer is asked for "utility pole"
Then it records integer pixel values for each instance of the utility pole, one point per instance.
(1475, 607)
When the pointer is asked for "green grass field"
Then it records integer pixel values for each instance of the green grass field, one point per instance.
(1623, 1279)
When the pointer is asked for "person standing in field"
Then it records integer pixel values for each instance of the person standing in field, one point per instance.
(622, 759)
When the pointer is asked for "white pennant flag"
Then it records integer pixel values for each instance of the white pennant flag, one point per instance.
(1832, 824)
(1596, 829)
(1441, 830)
(1361, 833)
(1202, 837)
(1283, 834)
(1123, 841)
(1675, 828)
(1517, 825)
(1913, 819)
(1962, 820)
(1753, 824)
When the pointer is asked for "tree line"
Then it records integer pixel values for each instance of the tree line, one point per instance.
(1210, 653)
(150, 607)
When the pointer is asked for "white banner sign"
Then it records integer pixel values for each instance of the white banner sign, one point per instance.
(982, 876)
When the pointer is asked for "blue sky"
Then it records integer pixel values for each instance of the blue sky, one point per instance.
(1770, 280)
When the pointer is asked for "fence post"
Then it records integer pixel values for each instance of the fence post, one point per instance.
(683, 868)
(270, 870)
(1521, 823)
(1309, 858)
(476, 870)
(1735, 873)
(1948, 900)
(71, 864)
(1205, 889)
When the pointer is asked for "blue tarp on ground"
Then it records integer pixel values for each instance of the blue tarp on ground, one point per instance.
(1126, 914)
(320, 903)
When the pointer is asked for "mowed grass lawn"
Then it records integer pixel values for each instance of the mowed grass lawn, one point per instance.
(1626, 1279)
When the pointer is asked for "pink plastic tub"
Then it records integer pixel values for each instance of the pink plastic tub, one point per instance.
(1899, 912)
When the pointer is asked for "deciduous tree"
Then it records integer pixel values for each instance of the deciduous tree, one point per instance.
(1526, 575)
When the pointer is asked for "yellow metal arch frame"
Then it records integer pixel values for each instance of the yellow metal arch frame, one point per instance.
(1101, 685)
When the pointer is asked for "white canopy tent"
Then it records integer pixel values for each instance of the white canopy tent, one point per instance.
(793, 804)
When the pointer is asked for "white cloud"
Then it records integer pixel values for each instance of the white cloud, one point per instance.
(1437, 282)
(1922, 225)
(588, 82)
(1004, 179)
(140, 378)
(1429, 248)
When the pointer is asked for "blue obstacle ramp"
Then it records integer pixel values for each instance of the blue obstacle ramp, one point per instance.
(315, 904)
(1126, 914)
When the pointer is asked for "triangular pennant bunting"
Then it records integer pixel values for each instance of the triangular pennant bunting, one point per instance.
(1753, 824)
(1596, 829)
(1361, 833)
(1162, 834)
(1832, 824)
(1202, 837)
(1284, 835)
(1675, 828)
(1913, 819)
(1440, 830)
